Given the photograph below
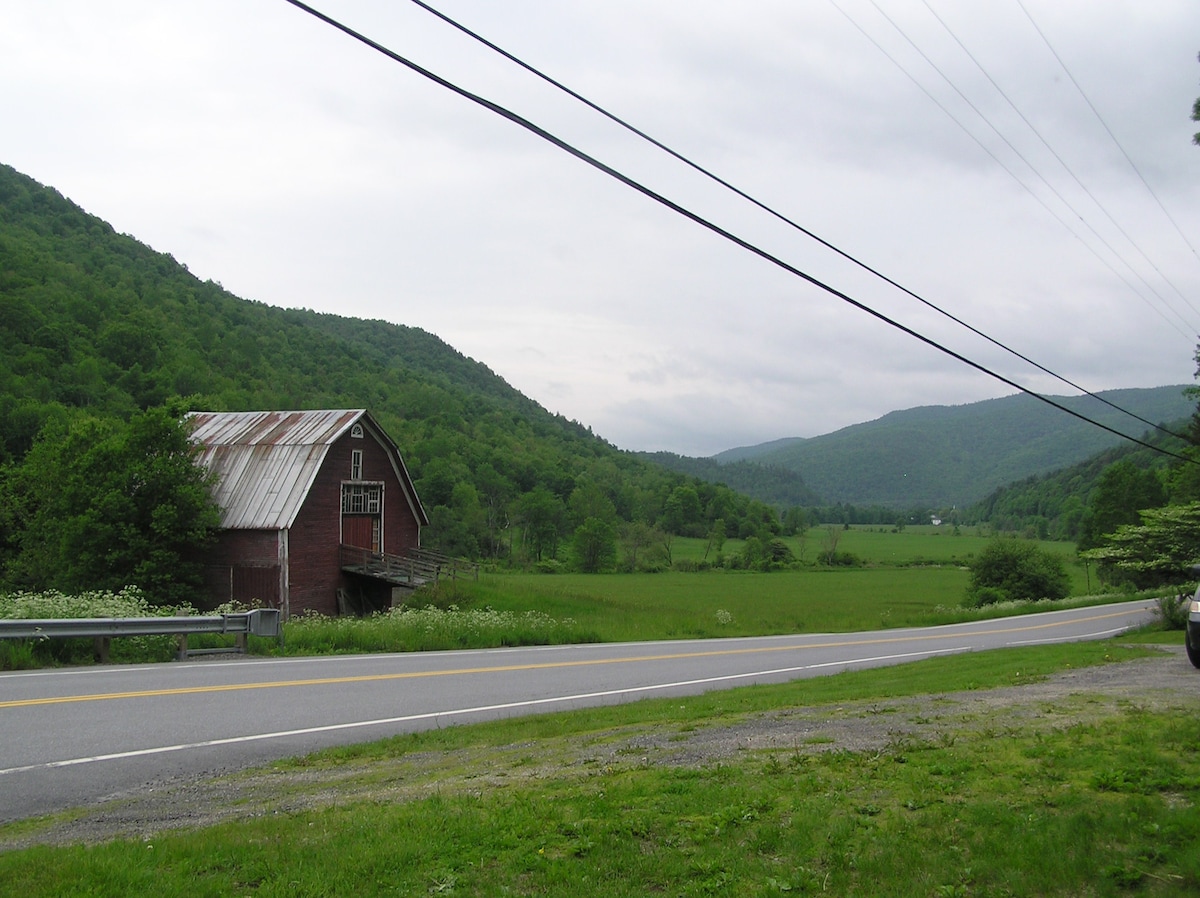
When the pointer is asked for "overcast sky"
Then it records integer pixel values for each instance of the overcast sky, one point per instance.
(270, 152)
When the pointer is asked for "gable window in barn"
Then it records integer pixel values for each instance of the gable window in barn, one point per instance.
(356, 465)
(362, 498)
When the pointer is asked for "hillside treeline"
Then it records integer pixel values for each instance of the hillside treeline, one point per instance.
(95, 324)
(1062, 505)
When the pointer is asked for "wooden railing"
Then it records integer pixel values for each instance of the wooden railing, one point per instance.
(413, 568)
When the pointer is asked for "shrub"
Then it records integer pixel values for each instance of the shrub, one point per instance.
(1172, 610)
(1016, 570)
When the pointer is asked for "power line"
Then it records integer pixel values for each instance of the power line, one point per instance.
(1104, 124)
(1067, 168)
(1008, 170)
(785, 219)
(579, 154)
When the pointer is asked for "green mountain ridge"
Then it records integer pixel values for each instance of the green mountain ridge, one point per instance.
(954, 456)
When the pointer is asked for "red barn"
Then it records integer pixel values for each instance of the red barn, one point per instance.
(318, 511)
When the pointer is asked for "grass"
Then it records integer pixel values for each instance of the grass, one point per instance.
(675, 605)
(1012, 805)
(913, 577)
(431, 629)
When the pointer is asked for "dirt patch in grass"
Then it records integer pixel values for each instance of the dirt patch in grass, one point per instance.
(1084, 695)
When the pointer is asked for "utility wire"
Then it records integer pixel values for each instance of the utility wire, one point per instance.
(780, 216)
(579, 154)
(1067, 168)
(1104, 124)
(1008, 170)
(1054, 190)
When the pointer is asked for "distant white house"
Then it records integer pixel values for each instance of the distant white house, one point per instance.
(935, 521)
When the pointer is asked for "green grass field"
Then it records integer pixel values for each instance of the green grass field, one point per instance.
(914, 577)
(674, 605)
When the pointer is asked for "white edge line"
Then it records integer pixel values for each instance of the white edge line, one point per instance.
(1080, 638)
(459, 712)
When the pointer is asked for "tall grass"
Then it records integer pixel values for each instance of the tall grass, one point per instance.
(430, 629)
(53, 604)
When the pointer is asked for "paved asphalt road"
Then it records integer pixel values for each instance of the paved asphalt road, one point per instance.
(69, 737)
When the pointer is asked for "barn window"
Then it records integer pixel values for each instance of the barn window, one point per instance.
(356, 464)
(356, 431)
(362, 498)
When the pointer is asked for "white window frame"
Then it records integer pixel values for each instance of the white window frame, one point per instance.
(362, 498)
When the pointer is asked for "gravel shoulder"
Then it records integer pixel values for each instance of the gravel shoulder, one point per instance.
(1163, 682)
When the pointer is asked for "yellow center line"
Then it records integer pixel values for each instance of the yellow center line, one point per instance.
(549, 665)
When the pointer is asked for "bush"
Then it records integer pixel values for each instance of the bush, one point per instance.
(1011, 570)
(1172, 610)
(987, 595)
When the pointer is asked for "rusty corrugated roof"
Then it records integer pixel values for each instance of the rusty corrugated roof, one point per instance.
(265, 462)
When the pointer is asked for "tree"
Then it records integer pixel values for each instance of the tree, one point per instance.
(588, 500)
(1159, 550)
(1122, 491)
(594, 546)
(1196, 118)
(682, 512)
(716, 538)
(829, 544)
(1010, 570)
(541, 514)
(100, 504)
(636, 538)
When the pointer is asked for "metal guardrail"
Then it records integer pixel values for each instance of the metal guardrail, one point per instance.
(259, 622)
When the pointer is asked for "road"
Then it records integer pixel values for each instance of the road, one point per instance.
(69, 737)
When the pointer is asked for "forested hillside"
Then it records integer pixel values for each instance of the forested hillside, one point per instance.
(95, 323)
(773, 485)
(1056, 505)
(944, 456)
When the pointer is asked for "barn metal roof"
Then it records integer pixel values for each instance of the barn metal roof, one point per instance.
(265, 462)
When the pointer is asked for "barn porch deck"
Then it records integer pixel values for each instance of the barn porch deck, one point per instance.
(415, 568)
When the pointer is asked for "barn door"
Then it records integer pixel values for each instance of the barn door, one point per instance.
(361, 531)
(362, 515)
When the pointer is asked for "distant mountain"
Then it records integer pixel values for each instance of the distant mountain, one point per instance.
(768, 483)
(751, 453)
(943, 456)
